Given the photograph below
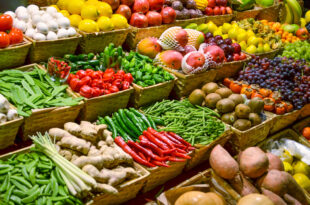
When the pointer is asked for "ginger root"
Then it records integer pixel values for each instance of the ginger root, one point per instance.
(58, 134)
(75, 143)
(98, 161)
(105, 188)
(73, 128)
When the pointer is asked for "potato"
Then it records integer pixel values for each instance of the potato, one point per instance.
(291, 200)
(242, 185)
(277, 200)
(275, 181)
(255, 199)
(223, 164)
(253, 162)
(274, 162)
(294, 189)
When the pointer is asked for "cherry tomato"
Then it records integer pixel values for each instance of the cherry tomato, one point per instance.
(6, 22)
(4, 40)
(16, 36)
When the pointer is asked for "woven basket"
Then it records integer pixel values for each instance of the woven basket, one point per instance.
(42, 3)
(102, 105)
(126, 191)
(146, 95)
(230, 69)
(202, 152)
(160, 175)
(185, 22)
(271, 54)
(305, 111)
(220, 19)
(185, 84)
(40, 51)
(96, 42)
(14, 55)
(270, 13)
(239, 15)
(209, 181)
(282, 121)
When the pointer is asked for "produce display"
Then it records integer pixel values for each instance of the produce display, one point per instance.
(298, 50)
(217, 7)
(14, 35)
(6, 112)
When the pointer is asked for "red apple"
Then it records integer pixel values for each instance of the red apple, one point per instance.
(154, 18)
(128, 2)
(209, 11)
(242, 56)
(236, 57)
(229, 10)
(196, 59)
(124, 10)
(223, 10)
(113, 3)
(156, 5)
(237, 47)
(211, 3)
(141, 6)
(217, 11)
(139, 20)
(168, 15)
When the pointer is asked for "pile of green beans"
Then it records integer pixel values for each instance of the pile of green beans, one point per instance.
(196, 124)
(32, 178)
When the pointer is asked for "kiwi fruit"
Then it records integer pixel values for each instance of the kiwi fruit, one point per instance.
(229, 118)
(242, 124)
(210, 88)
(224, 92)
(212, 99)
(256, 104)
(255, 119)
(242, 111)
(225, 105)
(197, 97)
(237, 98)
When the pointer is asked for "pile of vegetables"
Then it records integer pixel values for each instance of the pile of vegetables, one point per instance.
(196, 124)
(33, 90)
(265, 168)
(33, 178)
(14, 35)
(6, 113)
(143, 71)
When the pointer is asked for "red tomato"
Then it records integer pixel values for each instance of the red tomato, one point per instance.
(128, 77)
(126, 85)
(6, 22)
(75, 84)
(81, 74)
(16, 36)
(86, 91)
(4, 40)
(113, 89)
(96, 92)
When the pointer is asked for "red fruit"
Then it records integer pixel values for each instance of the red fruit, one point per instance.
(156, 5)
(16, 36)
(141, 6)
(4, 40)
(149, 47)
(154, 18)
(181, 37)
(217, 11)
(209, 11)
(242, 56)
(236, 57)
(124, 10)
(237, 47)
(6, 22)
(113, 3)
(128, 2)
(216, 53)
(302, 33)
(211, 3)
(138, 20)
(187, 49)
(229, 10)
(221, 2)
(168, 15)
(223, 10)
(196, 59)
(171, 59)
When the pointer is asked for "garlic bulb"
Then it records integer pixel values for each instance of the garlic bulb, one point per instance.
(42, 28)
(20, 25)
(52, 26)
(51, 10)
(23, 16)
(46, 18)
(2, 118)
(32, 8)
(20, 9)
(30, 32)
(59, 15)
(36, 19)
(4, 104)
(71, 31)
(63, 22)
(39, 37)
(51, 36)
(12, 114)
(62, 33)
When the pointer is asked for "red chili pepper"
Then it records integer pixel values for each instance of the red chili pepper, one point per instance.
(180, 139)
(113, 89)
(176, 142)
(162, 164)
(145, 151)
(161, 137)
(118, 83)
(166, 152)
(181, 151)
(75, 84)
(180, 146)
(81, 74)
(152, 146)
(86, 80)
(128, 77)
(141, 137)
(141, 155)
(156, 141)
(120, 142)
(176, 154)
(86, 91)
(96, 75)
(174, 159)
(126, 85)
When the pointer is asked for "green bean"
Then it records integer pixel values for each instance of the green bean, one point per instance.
(22, 180)
(19, 185)
(31, 197)
(32, 175)
(8, 193)
(16, 199)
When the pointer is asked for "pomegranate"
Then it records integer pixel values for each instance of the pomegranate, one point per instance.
(170, 58)
(187, 49)
(196, 59)
(156, 5)
(141, 6)
(217, 54)
(124, 10)
(149, 47)
(138, 20)
(181, 37)
(128, 2)
(154, 18)
(113, 3)
(168, 15)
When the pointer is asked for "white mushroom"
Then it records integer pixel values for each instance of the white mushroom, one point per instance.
(23, 16)
(62, 33)
(4, 104)
(39, 37)
(46, 18)
(59, 15)
(42, 28)
(12, 114)
(51, 10)
(71, 31)
(52, 26)
(20, 25)
(51, 36)
(36, 19)
(2, 118)
(21, 9)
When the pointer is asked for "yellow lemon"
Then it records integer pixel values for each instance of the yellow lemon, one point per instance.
(211, 26)
(302, 180)
(260, 48)
(88, 26)
(303, 22)
(55, 6)
(119, 21)
(217, 32)
(89, 12)
(75, 6)
(286, 154)
(250, 33)
(243, 45)
(301, 167)
(63, 4)
(65, 13)
(105, 24)
(267, 47)
(307, 16)
(288, 167)
(226, 27)
(252, 41)
(251, 49)
(242, 37)
(104, 9)
(92, 2)
(75, 20)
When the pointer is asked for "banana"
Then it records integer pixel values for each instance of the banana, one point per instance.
(296, 9)
(289, 16)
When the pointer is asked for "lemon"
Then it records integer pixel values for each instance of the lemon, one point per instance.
(119, 21)
(55, 6)
(303, 22)
(211, 26)
(307, 16)
(88, 26)
(75, 6)
(242, 37)
(286, 154)
(63, 4)
(104, 9)
(65, 13)
(252, 41)
(251, 49)
(301, 167)
(105, 24)
(89, 12)
(226, 27)
(92, 2)
(267, 47)
(217, 32)
(75, 20)
(288, 167)
(302, 180)
(243, 45)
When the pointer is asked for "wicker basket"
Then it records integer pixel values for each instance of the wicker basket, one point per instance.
(202, 152)
(185, 22)
(144, 96)
(230, 69)
(160, 175)
(299, 126)
(103, 105)
(239, 15)
(305, 111)
(42, 3)
(204, 181)
(40, 51)
(127, 190)
(282, 121)
(96, 42)
(14, 55)
(185, 84)
(271, 54)
(220, 19)
(270, 13)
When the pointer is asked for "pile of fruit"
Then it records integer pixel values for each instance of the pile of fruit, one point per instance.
(41, 24)
(184, 9)
(14, 35)
(217, 7)
(298, 50)
(234, 109)
(292, 12)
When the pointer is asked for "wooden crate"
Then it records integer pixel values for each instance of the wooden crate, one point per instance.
(239, 15)
(282, 121)
(14, 55)
(271, 54)
(185, 22)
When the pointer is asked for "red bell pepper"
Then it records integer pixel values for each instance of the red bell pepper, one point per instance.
(126, 85)
(75, 84)
(96, 75)
(113, 89)
(86, 80)
(81, 74)
(96, 92)
(128, 77)
(118, 83)
(86, 91)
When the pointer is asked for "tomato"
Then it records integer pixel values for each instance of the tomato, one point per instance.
(86, 80)
(96, 75)
(128, 77)
(81, 74)
(96, 92)
(86, 91)
(113, 89)
(4, 40)
(75, 84)
(16, 36)
(235, 87)
(306, 133)
(6, 22)
(70, 77)
(126, 85)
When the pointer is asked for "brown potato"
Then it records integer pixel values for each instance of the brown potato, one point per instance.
(277, 200)
(274, 162)
(275, 181)
(242, 185)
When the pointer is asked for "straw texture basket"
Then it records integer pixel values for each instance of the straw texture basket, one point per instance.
(202, 152)
(220, 19)
(239, 15)
(185, 22)
(127, 190)
(185, 84)
(282, 121)
(160, 175)
(103, 105)
(42, 3)
(270, 13)
(299, 126)
(40, 51)
(96, 42)
(271, 54)
(14, 55)
(305, 111)
(146, 95)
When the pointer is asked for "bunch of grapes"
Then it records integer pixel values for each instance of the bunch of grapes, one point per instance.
(288, 76)
(297, 50)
